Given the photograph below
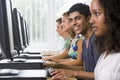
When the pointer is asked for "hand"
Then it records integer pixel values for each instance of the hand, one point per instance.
(48, 64)
(47, 59)
(62, 74)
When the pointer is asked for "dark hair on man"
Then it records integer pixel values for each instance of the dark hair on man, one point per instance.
(111, 41)
(59, 20)
(81, 8)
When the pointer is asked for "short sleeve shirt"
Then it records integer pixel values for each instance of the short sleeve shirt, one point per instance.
(90, 55)
(73, 47)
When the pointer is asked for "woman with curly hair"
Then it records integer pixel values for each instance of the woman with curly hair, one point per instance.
(105, 21)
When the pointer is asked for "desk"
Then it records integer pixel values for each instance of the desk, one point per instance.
(64, 79)
(28, 64)
(27, 75)
(29, 56)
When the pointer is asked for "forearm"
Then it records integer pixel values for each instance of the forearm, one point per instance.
(64, 73)
(60, 60)
(73, 62)
(83, 74)
(54, 58)
(57, 57)
(61, 56)
(64, 66)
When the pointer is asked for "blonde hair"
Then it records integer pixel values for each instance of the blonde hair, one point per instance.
(71, 32)
(65, 14)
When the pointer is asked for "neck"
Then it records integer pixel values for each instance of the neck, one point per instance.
(107, 53)
(65, 35)
(88, 33)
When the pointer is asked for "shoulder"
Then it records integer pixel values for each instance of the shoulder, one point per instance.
(115, 56)
(79, 42)
(81, 37)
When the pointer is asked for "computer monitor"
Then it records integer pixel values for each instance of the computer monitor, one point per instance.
(20, 35)
(24, 36)
(17, 31)
(6, 30)
(27, 32)
(1, 56)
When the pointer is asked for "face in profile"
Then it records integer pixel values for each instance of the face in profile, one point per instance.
(59, 28)
(77, 21)
(65, 24)
(98, 19)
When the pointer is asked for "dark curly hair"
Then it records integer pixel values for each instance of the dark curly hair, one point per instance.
(111, 41)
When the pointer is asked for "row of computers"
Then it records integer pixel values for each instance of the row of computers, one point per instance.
(14, 38)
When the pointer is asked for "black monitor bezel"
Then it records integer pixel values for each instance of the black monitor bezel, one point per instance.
(6, 33)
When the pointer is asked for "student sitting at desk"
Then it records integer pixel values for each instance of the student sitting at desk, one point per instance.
(74, 49)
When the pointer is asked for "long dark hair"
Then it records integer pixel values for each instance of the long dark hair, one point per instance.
(111, 41)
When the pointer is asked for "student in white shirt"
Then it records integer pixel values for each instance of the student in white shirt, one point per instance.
(105, 20)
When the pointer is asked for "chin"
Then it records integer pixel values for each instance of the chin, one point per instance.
(97, 34)
(78, 33)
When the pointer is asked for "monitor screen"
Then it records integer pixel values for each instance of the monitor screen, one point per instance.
(6, 29)
(17, 31)
(23, 31)
(27, 32)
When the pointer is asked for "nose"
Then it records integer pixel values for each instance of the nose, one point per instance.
(62, 24)
(74, 22)
(57, 30)
(91, 20)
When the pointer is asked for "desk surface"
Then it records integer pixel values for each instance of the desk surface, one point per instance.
(30, 75)
(27, 61)
(28, 64)
(64, 79)
(27, 75)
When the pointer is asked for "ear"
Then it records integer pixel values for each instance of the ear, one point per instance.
(88, 21)
(88, 18)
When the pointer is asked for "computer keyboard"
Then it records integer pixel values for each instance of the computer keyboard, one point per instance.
(19, 60)
(49, 70)
(9, 72)
(31, 52)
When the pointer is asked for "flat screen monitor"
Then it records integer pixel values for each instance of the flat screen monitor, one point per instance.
(6, 30)
(27, 32)
(24, 36)
(17, 31)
